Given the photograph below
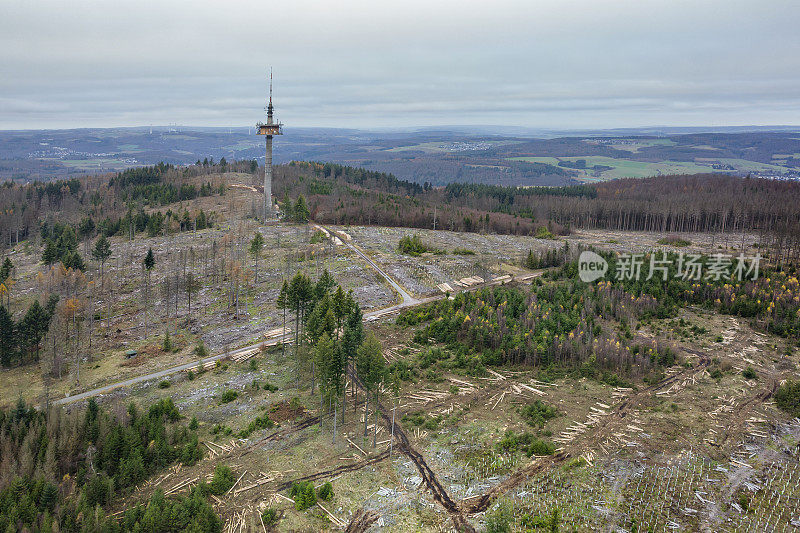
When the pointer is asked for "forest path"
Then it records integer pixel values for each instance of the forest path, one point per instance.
(407, 299)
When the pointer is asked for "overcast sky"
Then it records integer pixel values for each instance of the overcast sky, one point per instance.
(534, 63)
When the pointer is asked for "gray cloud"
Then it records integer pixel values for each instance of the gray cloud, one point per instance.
(544, 63)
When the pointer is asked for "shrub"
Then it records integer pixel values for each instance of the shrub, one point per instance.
(228, 396)
(538, 413)
(221, 482)
(526, 443)
(549, 522)
(200, 350)
(193, 424)
(415, 418)
(749, 373)
(303, 495)
(221, 429)
(165, 384)
(270, 516)
(787, 397)
(167, 344)
(674, 240)
(498, 521)
(431, 424)
(463, 251)
(413, 246)
(270, 387)
(191, 452)
(543, 233)
(190, 376)
(575, 463)
(317, 237)
(253, 365)
(743, 501)
(261, 422)
(325, 492)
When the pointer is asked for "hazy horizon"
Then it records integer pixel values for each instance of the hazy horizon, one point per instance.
(546, 65)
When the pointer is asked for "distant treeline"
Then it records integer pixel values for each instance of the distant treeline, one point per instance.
(724, 204)
(112, 202)
(145, 184)
(355, 196)
(346, 195)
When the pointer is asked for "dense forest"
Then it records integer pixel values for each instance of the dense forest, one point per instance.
(564, 323)
(111, 203)
(61, 469)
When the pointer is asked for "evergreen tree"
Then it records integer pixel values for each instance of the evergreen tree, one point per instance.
(300, 211)
(32, 328)
(369, 369)
(283, 302)
(6, 269)
(148, 263)
(50, 254)
(256, 244)
(324, 285)
(288, 208)
(352, 338)
(72, 259)
(300, 294)
(101, 251)
(8, 344)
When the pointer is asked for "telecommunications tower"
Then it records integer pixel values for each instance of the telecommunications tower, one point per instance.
(269, 129)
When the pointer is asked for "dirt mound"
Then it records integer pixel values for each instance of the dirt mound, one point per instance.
(283, 411)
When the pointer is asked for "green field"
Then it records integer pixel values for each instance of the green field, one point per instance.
(623, 168)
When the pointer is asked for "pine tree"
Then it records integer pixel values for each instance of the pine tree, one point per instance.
(6, 269)
(368, 355)
(324, 285)
(300, 294)
(282, 302)
(288, 208)
(191, 284)
(8, 344)
(255, 250)
(50, 254)
(101, 251)
(352, 338)
(148, 263)
(300, 211)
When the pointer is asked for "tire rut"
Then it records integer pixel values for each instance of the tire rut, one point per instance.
(429, 478)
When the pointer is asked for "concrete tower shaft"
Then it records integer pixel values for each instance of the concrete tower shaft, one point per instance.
(268, 130)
